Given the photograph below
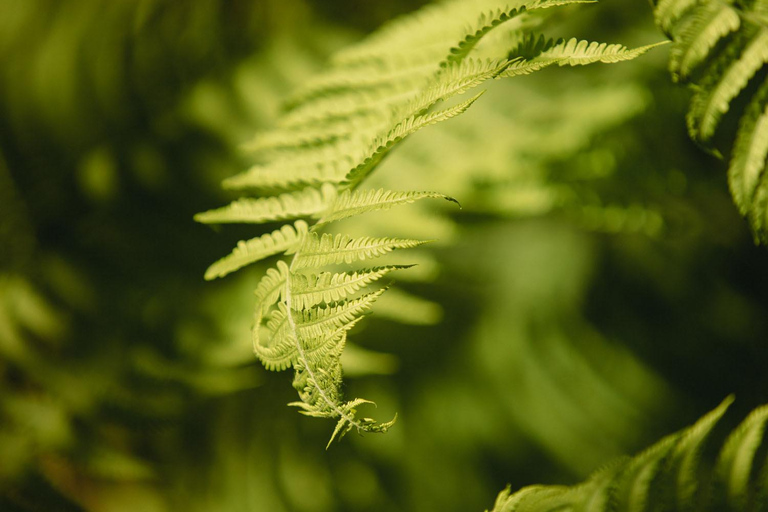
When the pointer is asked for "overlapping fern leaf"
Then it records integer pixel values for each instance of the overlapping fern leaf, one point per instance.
(336, 130)
(673, 474)
(721, 48)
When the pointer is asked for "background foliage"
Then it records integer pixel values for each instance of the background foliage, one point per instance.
(598, 289)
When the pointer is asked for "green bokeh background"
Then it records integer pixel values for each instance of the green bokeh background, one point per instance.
(597, 290)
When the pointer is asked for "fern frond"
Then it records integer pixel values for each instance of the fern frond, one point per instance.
(747, 175)
(286, 240)
(315, 321)
(668, 12)
(320, 251)
(735, 462)
(455, 78)
(390, 76)
(726, 72)
(310, 290)
(335, 131)
(271, 287)
(581, 53)
(717, 91)
(312, 168)
(280, 350)
(491, 20)
(531, 45)
(671, 475)
(573, 53)
(351, 203)
(382, 146)
(699, 35)
(305, 203)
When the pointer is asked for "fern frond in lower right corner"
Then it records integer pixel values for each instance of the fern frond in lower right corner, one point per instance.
(670, 475)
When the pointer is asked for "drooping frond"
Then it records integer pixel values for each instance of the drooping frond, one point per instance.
(334, 132)
(285, 240)
(722, 47)
(671, 475)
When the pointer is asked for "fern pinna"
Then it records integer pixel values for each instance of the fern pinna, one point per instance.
(721, 48)
(670, 475)
(334, 132)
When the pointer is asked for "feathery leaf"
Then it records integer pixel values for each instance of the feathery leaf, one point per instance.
(320, 251)
(351, 203)
(305, 203)
(310, 290)
(285, 240)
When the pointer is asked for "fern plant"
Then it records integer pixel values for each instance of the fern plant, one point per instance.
(670, 475)
(335, 131)
(721, 49)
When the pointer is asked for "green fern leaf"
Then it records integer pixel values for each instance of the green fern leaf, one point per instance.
(314, 322)
(320, 251)
(286, 240)
(713, 100)
(298, 171)
(581, 53)
(305, 203)
(747, 177)
(280, 350)
(332, 135)
(671, 475)
(735, 463)
(382, 146)
(531, 45)
(454, 78)
(311, 290)
(697, 28)
(489, 21)
(669, 12)
(699, 36)
(686, 454)
(271, 287)
(574, 53)
(351, 203)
